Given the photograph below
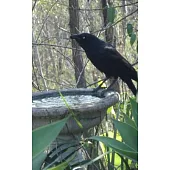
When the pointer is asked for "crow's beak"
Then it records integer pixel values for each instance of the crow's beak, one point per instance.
(74, 36)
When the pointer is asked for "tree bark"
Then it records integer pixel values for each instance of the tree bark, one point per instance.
(110, 38)
(77, 57)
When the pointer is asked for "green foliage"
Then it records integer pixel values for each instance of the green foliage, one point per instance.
(72, 113)
(129, 121)
(134, 106)
(43, 136)
(111, 14)
(38, 160)
(131, 34)
(129, 29)
(62, 165)
(89, 162)
(132, 39)
(129, 133)
(117, 146)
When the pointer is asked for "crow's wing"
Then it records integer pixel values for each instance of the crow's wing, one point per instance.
(116, 64)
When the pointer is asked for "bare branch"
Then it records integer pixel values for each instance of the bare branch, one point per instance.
(81, 73)
(53, 45)
(45, 20)
(135, 63)
(97, 9)
(116, 22)
(34, 5)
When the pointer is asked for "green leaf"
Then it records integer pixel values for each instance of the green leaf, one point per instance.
(132, 39)
(85, 163)
(129, 121)
(134, 110)
(129, 29)
(118, 147)
(74, 116)
(111, 14)
(64, 164)
(128, 133)
(38, 161)
(110, 110)
(43, 136)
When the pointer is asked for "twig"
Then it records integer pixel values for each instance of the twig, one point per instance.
(63, 29)
(35, 86)
(67, 58)
(45, 20)
(96, 9)
(53, 45)
(135, 63)
(81, 73)
(34, 4)
(116, 22)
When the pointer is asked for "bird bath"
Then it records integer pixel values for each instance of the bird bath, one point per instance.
(48, 107)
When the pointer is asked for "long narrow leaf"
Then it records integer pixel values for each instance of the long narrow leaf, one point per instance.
(129, 121)
(38, 161)
(61, 166)
(92, 161)
(64, 164)
(74, 116)
(128, 133)
(118, 147)
(134, 110)
(43, 136)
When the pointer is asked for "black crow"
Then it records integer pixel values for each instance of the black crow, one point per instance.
(107, 59)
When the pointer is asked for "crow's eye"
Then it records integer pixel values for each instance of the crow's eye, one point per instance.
(83, 38)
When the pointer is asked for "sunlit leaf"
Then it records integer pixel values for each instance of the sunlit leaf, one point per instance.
(64, 164)
(118, 147)
(110, 110)
(128, 133)
(74, 116)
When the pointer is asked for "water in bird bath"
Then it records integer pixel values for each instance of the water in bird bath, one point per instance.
(58, 101)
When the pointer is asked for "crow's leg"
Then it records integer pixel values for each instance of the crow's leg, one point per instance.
(109, 88)
(99, 87)
(95, 82)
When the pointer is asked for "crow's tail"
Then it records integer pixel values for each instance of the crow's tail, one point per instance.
(131, 86)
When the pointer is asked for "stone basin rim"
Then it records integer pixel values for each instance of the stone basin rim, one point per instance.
(103, 104)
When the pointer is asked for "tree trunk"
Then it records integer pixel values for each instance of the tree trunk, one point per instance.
(110, 38)
(77, 58)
